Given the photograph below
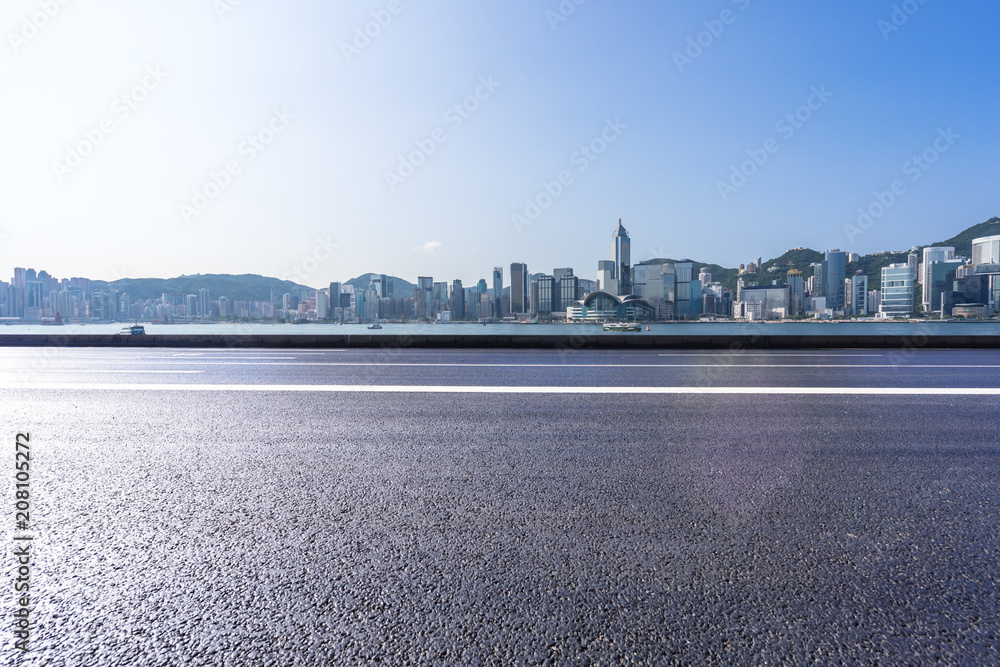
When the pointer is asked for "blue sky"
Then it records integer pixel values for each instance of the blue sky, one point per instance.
(266, 137)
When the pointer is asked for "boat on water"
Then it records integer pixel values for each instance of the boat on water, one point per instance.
(622, 326)
(134, 330)
(375, 326)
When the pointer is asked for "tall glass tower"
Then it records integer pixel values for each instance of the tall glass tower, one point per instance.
(623, 260)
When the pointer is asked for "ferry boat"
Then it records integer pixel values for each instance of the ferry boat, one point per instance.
(134, 330)
(622, 326)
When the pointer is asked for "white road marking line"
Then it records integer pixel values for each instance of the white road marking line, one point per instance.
(776, 353)
(460, 365)
(56, 371)
(458, 389)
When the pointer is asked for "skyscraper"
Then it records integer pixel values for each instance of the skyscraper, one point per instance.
(204, 306)
(606, 276)
(620, 247)
(498, 291)
(457, 300)
(519, 288)
(834, 274)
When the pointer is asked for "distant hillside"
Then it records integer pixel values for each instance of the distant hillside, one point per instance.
(400, 287)
(802, 258)
(246, 287)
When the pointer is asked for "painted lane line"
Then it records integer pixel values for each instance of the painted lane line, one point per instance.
(776, 353)
(460, 365)
(458, 389)
(54, 371)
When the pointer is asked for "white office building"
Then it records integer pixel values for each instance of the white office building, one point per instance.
(897, 290)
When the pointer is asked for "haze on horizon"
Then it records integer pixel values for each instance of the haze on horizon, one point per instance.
(232, 136)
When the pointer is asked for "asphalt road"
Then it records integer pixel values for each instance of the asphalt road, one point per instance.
(843, 521)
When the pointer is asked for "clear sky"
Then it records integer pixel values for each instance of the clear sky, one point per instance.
(346, 153)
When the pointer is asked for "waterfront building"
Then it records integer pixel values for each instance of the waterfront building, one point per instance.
(765, 302)
(519, 288)
(322, 305)
(204, 309)
(857, 291)
(600, 306)
(498, 292)
(796, 293)
(546, 294)
(568, 291)
(940, 276)
(457, 300)
(834, 267)
(897, 290)
(935, 254)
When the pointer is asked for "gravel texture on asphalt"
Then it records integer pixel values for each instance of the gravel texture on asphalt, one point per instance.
(280, 529)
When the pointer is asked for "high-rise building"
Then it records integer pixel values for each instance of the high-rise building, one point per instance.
(796, 293)
(606, 276)
(858, 294)
(621, 249)
(498, 292)
(423, 300)
(941, 275)
(935, 254)
(482, 308)
(568, 288)
(457, 300)
(335, 292)
(204, 305)
(897, 290)
(834, 274)
(519, 288)
(546, 294)
(322, 305)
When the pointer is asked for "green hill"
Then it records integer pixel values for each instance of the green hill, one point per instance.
(802, 259)
(246, 287)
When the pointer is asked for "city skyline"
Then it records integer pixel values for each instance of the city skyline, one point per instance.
(305, 270)
(274, 129)
(661, 291)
